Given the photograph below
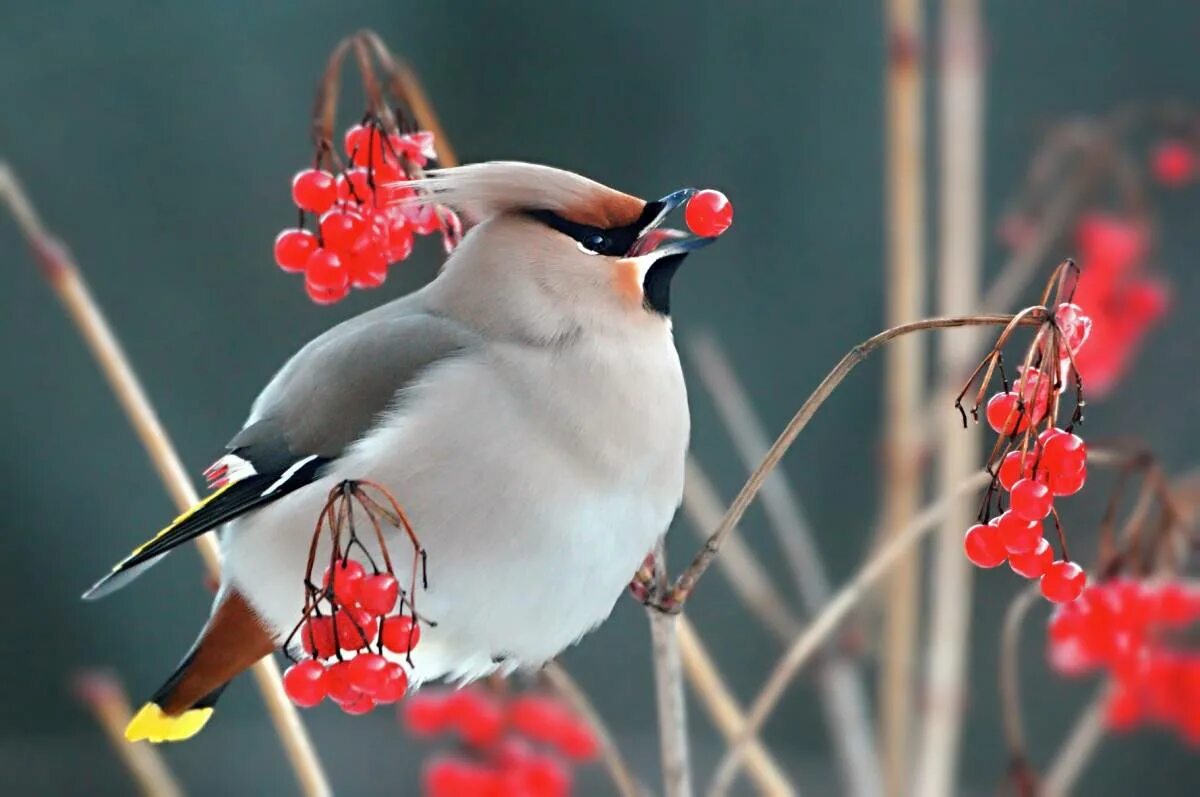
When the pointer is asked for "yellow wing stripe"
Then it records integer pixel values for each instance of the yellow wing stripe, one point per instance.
(174, 524)
(155, 725)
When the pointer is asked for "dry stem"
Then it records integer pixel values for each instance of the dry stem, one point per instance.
(847, 597)
(64, 276)
(102, 693)
(564, 684)
(725, 712)
(842, 695)
(961, 189)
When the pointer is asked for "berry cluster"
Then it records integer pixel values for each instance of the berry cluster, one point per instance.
(1033, 468)
(515, 746)
(1130, 630)
(344, 667)
(365, 217)
(354, 630)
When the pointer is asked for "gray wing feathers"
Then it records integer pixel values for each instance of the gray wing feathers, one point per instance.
(332, 391)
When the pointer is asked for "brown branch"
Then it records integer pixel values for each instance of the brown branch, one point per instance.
(686, 581)
(818, 631)
(65, 278)
(568, 690)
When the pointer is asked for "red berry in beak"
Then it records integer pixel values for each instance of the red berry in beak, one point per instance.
(708, 213)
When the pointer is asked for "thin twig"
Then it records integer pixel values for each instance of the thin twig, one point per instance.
(725, 712)
(686, 581)
(960, 109)
(1010, 686)
(843, 602)
(1079, 746)
(703, 507)
(843, 697)
(64, 276)
(564, 684)
(102, 693)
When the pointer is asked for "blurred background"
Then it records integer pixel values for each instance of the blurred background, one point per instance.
(159, 141)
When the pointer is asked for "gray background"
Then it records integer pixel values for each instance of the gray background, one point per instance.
(158, 139)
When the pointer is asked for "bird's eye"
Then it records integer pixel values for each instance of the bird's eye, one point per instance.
(594, 244)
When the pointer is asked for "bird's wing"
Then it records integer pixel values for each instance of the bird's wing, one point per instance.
(321, 401)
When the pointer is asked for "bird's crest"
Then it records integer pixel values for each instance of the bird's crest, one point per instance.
(482, 190)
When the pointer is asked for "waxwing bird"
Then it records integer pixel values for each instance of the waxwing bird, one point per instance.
(527, 408)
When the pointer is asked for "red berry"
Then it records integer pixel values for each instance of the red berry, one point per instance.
(313, 190)
(354, 187)
(426, 713)
(368, 267)
(338, 685)
(368, 672)
(1005, 416)
(538, 717)
(1123, 711)
(1034, 563)
(1018, 534)
(400, 241)
(454, 777)
(1031, 500)
(983, 546)
(377, 594)
(422, 219)
(543, 776)
(1011, 470)
(1068, 483)
(400, 633)
(355, 628)
(355, 140)
(325, 296)
(1064, 453)
(1173, 163)
(317, 637)
(477, 716)
(708, 213)
(293, 248)
(1076, 326)
(1111, 244)
(324, 270)
(346, 576)
(304, 683)
(361, 704)
(395, 687)
(577, 741)
(1063, 581)
(341, 228)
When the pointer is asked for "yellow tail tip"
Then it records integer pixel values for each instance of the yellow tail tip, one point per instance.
(153, 724)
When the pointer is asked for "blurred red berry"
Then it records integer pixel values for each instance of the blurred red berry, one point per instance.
(708, 213)
(983, 546)
(367, 268)
(293, 248)
(1173, 163)
(341, 228)
(368, 672)
(395, 687)
(338, 684)
(313, 190)
(577, 741)
(426, 713)
(360, 704)
(1063, 582)
(355, 628)
(324, 270)
(304, 683)
(354, 187)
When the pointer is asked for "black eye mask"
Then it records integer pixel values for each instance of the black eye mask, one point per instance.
(613, 242)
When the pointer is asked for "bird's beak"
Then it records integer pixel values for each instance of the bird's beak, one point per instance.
(652, 236)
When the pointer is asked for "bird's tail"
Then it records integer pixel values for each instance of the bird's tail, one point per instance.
(153, 723)
(233, 640)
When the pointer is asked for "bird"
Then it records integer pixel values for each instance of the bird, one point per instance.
(526, 408)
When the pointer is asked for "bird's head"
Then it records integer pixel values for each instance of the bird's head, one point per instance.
(555, 253)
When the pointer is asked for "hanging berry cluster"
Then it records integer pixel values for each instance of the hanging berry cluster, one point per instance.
(1034, 461)
(1133, 631)
(363, 218)
(355, 630)
(511, 745)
